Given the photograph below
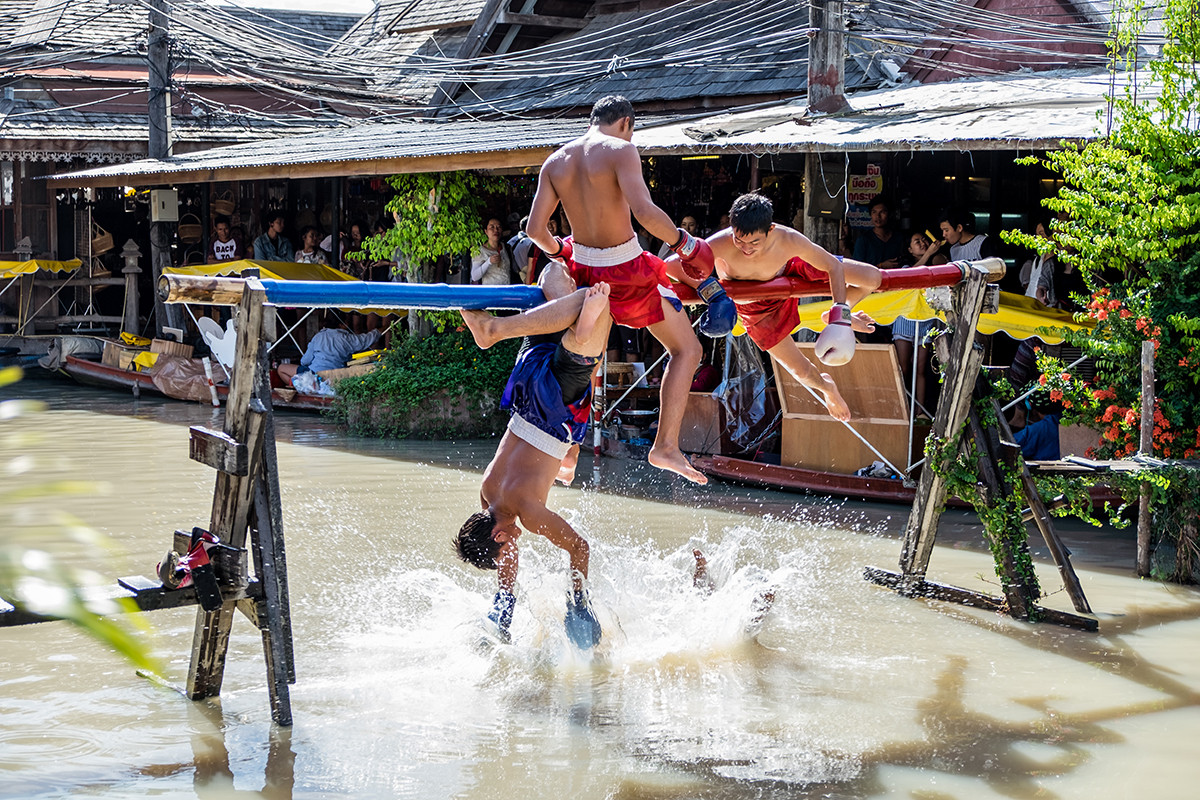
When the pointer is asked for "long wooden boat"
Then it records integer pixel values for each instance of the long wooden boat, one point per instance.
(799, 479)
(94, 373)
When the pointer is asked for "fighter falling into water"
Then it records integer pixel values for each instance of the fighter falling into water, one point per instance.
(598, 180)
(755, 248)
(549, 394)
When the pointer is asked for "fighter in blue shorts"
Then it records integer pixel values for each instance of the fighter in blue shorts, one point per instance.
(548, 393)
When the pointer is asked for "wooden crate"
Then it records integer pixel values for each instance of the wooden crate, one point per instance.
(170, 348)
(872, 386)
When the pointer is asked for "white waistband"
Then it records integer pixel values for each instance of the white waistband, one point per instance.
(606, 256)
(529, 433)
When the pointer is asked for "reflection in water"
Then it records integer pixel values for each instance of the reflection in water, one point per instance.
(843, 690)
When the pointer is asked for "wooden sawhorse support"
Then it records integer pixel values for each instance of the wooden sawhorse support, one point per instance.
(956, 415)
(246, 511)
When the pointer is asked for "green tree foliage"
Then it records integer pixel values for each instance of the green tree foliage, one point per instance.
(1129, 220)
(437, 214)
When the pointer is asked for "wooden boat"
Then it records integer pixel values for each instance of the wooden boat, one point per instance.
(94, 373)
(799, 479)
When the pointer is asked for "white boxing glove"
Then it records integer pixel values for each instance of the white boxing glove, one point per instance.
(835, 345)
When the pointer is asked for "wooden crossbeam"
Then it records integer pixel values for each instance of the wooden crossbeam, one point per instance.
(968, 597)
(218, 450)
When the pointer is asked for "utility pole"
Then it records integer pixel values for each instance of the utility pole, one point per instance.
(826, 95)
(158, 56)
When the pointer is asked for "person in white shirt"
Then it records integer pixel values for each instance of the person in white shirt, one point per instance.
(491, 265)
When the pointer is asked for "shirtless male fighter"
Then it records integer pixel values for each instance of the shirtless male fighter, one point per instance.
(549, 394)
(754, 248)
(598, 180)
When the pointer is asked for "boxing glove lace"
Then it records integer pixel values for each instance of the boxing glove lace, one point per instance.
(695, 256)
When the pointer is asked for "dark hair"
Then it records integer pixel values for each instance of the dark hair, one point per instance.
(222, 219)
(751, 213)
(956, 218)
(879, 200)
(304, 231)
(608, 110)
(474, 543)
(271, 216)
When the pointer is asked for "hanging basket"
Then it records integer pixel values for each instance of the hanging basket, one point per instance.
(223, 205)
(102, 240)
(190, 231)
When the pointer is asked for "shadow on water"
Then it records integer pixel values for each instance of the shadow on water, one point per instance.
(212, 771)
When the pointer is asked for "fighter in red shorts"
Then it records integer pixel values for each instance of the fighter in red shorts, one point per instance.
(598, 180)
(752, 248)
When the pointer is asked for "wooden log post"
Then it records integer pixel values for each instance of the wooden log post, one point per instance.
(1040, 515)
(1020, 592)
(233, 494)
(962, 358)
(1145, 448)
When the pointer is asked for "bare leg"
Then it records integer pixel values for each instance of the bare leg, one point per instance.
(700, 577)
(676, 334)
(286, 372)
(589, 335)
(800, 368)
(556, 315)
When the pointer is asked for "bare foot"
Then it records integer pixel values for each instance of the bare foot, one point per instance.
(566, 471)
(860, 321)
(595, 305)
(480, 323)
(676, 462)
(700, 578)
(834, 400)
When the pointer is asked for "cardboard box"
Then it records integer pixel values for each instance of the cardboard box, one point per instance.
(169, 348)
(116, 354)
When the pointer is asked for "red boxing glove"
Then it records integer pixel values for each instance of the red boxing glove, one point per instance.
(695, 256)
(565, 252)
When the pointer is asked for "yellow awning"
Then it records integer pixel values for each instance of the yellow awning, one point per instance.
(276, 270)
(11, 269)
(1020, 317)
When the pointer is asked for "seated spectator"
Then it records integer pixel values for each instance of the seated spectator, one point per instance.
(225, 246)
(491, 263)
(310, 253)
(331, 348)
(273, 245)
(1035, 432)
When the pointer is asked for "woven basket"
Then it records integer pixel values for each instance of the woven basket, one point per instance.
(223, 205)
(102, 240)
(190, 231)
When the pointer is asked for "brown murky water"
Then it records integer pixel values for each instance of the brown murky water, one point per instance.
(848, 691)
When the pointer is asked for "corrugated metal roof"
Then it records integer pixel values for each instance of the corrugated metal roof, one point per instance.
(1011, 112)
(1028, 111)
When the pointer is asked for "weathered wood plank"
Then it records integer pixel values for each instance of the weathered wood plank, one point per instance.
(218, 451)
(963, 359)
(967, 597)
(146, 593)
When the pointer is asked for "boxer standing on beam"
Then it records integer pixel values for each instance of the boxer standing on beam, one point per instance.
(598, 180)
(752, 248)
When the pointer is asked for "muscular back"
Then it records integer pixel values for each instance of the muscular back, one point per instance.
(585, 175)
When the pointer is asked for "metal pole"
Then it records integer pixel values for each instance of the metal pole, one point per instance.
(158, 57)
(1145, 448)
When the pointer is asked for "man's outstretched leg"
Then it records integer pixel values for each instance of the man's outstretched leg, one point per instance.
(562, 309)
(676, 334)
